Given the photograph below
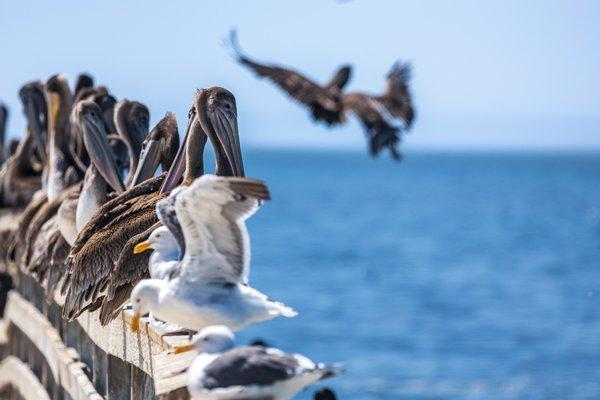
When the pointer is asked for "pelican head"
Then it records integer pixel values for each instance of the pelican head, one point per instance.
(144, 297)
(90, 121)
(34, 106)
(160, 146)
(212, 339)
(217, 114)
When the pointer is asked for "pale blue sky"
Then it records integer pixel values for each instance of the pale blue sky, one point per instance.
(488, 74)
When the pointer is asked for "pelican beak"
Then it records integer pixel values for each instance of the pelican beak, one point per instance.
(141, 247)
(135, 322)
(149, 160)
(226, 128)
(98, 147)
(176, 171)
(182, 348)
(35, 128)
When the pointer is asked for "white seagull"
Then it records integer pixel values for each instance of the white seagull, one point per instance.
(210, 284)
(165, 256)
(221, 372)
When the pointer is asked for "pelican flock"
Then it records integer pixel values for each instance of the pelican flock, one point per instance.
(101, 230)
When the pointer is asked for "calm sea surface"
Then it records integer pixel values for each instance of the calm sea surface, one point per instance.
(458, 276)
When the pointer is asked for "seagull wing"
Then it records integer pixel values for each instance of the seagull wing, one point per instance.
(212, 213)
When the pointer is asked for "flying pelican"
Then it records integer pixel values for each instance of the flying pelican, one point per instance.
(224, 372)
(324, 101)
(210, 285)
(377, 113)
(102, 241)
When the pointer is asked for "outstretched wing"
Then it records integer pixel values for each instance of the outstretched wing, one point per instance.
(377, 123)
(324, 102)
(212, 213)
(397, 99)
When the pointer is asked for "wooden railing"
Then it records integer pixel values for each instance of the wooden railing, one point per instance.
(81, 359)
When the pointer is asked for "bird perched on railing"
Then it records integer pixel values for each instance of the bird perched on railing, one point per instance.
(377, 113)
(210, 284)
(222, 371)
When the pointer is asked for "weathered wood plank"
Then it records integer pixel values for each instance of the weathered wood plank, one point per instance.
(99, 370)
(142, 385)
(62, 361)
(119, 379)
(15, 373)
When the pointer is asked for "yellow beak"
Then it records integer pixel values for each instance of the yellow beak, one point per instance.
(135, 322)
(182, 348)
(141, 247)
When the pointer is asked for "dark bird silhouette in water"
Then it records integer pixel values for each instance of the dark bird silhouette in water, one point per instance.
(378, 114)
(325, 394)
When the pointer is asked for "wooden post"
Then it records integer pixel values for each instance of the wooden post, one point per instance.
(118, 379)
(72, 334)
(99, 368)
(86, 351)
(142, 385)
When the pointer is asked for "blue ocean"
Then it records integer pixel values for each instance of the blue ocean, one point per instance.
(447, 276)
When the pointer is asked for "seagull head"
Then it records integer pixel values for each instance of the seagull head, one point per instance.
(144, 297)
(160, 240)
(212, 339)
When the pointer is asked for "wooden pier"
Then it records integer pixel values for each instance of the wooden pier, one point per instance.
(42, 356)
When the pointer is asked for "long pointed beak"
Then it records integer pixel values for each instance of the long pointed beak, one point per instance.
(149, 160)
(226, 128)
(96, 142)
(141, 247)
(135, 322)
(176, 171)
(182, 348)
(35, 129)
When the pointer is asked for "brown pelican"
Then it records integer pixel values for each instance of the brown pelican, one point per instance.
(101, 176)
(4, 153)
(324, 101)
(377, 113)
(20, 175)
(103, 240)
(131, 120)
(222, 371)
(63, 169)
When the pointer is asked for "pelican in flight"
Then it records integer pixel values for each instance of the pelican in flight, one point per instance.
(378, 114)
(210, 286)
(224, 372)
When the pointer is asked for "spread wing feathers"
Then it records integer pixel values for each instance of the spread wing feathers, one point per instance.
(376, 121)
(340, 79)
(92, 264)
(212, 213)
(128, 270)
(397, 98)
(324, 102)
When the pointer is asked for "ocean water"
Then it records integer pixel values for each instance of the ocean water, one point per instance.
(448, 276)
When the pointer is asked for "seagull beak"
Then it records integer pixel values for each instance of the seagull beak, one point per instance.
(182, 348)
(141, 247)
(226, 128)
(176, 170)
(135, 322)
(96, 142)
(149, 161)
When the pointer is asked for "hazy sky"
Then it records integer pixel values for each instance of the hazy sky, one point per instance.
(488, 74)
